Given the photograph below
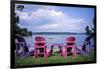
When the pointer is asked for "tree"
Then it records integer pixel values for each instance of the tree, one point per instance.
(94, 19)
(18, 30)
(88, 31)
(20, 7)
(30, 33)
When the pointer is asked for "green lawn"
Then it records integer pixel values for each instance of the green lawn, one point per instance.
(55, 58)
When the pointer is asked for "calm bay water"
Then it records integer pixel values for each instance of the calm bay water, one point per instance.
(59, 39)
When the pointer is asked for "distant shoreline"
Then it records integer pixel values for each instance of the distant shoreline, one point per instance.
(56, 33)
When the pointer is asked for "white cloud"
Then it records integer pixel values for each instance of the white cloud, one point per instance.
(40, 13)
(48, 26)
(58, 20)
(23, 15)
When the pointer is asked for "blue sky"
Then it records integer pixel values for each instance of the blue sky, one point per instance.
(41, 18)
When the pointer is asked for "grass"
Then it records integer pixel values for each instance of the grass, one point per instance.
(55, 58)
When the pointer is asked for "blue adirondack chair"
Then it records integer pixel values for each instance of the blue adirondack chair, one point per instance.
(87, 47)
(21, 46)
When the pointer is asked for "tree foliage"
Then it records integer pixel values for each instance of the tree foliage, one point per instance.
(94, 19)
(88, 31)
(20, 7)
(18, 30)
(92, 31)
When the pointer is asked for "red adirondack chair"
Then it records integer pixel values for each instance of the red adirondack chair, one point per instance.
(70, 47)
(40, 47)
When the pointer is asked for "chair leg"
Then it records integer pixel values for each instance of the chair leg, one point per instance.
(74, 53)
(65, 55)
(45, 58)
(34, 53)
